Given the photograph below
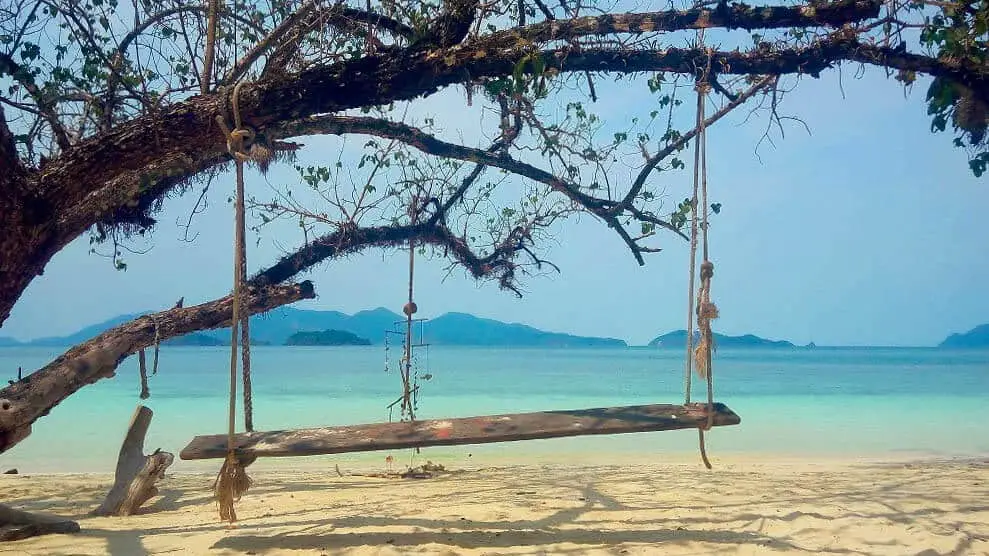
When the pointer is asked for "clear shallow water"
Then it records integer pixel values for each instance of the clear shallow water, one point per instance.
(822, 403)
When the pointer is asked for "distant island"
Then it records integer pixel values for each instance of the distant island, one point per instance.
(278, 326)
(678, 339)
(196, 339)
(975, 338)
(326, 338)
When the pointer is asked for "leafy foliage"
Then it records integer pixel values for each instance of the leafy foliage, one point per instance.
(530, 147)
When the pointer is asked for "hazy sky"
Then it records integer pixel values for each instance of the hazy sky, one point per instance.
(871, 230)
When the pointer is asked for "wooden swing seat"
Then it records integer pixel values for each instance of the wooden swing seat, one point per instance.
(464, 430)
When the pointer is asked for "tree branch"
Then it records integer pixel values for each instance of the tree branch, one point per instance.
(338, 125)
(12, 176)
(380, 79)
(682, 141)
(343, 17)
(23, 402)
(352, 239)
(46, 106)
(293, 21)
(414, 137)
(737, 16)
(188, 128)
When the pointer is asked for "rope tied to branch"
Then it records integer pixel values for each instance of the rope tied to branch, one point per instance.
(232, 481)
(705, 309)
(142, 360)
(241, 137)
(145, 391)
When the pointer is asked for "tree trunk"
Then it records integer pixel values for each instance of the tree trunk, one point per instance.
(35, 395)
(134, 480)
(16, 525)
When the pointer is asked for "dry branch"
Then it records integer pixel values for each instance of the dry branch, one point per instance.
(136, 474)
(16, 525)
(498, 263)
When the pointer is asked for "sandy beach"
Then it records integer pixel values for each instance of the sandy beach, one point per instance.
(741, 507)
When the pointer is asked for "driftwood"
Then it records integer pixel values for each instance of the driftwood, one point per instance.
(464, 430)
(16, 525)
(134, 480)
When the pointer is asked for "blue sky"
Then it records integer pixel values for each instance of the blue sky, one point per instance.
(869, 231)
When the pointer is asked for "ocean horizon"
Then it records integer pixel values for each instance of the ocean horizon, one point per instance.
(827, 402)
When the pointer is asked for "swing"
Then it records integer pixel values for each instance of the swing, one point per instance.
(239, 449)
(495, 428)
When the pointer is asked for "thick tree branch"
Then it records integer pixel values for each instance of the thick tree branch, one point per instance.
(347, 240)
(380, 79)
(737, 16)
(352, 239)
(188, 127)
(23, 402)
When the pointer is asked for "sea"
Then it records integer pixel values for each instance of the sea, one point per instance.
(821, 403)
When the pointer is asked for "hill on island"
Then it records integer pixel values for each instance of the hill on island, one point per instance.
(977, 337)
(678, 339)
(326, 338)
(277, 326)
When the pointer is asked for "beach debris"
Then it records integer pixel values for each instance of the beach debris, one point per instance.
(10, 471)
(425, 471)
(16, 525)
(136, 473)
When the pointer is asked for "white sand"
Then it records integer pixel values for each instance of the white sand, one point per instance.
(744, 506)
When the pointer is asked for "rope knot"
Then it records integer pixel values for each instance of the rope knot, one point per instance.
(241, 137)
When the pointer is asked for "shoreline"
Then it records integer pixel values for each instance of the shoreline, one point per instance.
(330, 464)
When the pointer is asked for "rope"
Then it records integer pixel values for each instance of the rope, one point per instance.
(145, 391)
(706, 311)
(239, 141)
(142, 360)
(232, 480)
(245, 341)
(693, 255)
(235, 314)
(154, 361)
(245, 325)
(409, 310)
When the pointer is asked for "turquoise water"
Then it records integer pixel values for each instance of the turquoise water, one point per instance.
(819, 403)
